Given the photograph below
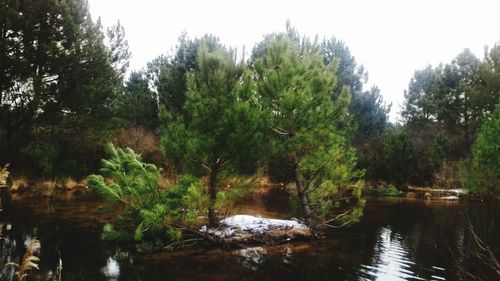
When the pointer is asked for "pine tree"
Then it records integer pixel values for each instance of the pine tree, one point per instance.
(399, 157)
(222, 128)
(296, 89)
(158, 214)
(172, 80)
(137, 105)
(483, 178)
(118, 48)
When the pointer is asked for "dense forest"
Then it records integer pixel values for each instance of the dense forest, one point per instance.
(202, 125)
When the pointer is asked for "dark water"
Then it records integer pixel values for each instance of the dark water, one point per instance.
(396, 240)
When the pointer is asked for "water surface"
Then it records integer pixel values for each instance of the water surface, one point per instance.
(397, 239)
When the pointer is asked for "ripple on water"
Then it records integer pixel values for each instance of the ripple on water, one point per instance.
(391, 261)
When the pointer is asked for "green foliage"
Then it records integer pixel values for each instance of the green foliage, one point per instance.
(132, 182)
(450, 175)
(483, 179)
(151, 211)
(173, 72)
(369, 113)
(438, 151)
(45, 157)
(399, 157)
(223, 123)
(295, 87)
(236, 189)
(390, 191)
(370, 154)
(137, 105)
(56, 86)
(456, 96)
(110, 234)
(118, 48)
(222, 129)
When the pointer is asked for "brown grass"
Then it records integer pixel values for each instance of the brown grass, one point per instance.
(4, 174)
(69, 183)
(29, 261)
(19, 183)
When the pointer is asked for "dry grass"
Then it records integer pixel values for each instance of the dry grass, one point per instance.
(21, 187)
(4, 174)
(165, 181)
(69, 183)
(29, 261)
(146, 143)
(47, 188)
(19, 183)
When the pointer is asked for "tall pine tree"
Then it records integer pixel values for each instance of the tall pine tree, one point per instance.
(296, 89)
(222, 130)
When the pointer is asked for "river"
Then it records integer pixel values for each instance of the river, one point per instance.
(397, 239)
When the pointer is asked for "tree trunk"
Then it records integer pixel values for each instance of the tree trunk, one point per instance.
(212, 190)
(304, 204)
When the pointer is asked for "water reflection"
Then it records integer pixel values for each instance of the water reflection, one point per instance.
(251, 258)
(394, 241)
(391, 260)
(288, 256)
(111, 270)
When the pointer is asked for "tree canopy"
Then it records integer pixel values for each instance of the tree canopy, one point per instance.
(221, 128)
(295, 87)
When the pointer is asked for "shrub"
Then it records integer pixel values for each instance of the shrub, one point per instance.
(449, 175)
(153, 212)
(45, 157)
(399, 157)
(144, 142)
(389, 191)
(483, 177)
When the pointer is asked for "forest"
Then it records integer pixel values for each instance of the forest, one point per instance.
(178, 143)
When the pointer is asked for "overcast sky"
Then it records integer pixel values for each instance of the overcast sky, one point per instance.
(390, 38)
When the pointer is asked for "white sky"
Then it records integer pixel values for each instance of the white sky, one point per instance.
(390, 38)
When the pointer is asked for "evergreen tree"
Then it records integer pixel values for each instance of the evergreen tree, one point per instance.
(172, 83)
(137, 104)
(456, 96)
(118, 48)
(32, 45)
(295, 88)
(223, 130)
(484, 177)
(418, 108)
(156, 213)
(368, 112)
(56, 74)
(399, 157)
(88, 83)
